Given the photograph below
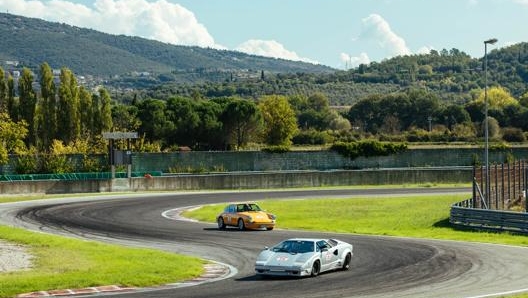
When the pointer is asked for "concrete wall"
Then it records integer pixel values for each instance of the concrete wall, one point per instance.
(246, 180)
(241, 161)
(54, 187)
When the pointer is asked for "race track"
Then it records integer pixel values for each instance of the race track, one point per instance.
(381, 266)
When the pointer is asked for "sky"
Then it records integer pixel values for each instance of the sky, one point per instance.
(337, 33)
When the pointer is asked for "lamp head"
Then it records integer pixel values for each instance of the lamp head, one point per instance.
(491, 41)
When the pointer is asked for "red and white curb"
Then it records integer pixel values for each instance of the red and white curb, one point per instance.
(213, 271)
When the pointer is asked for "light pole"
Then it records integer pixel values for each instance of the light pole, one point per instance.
(486, 129)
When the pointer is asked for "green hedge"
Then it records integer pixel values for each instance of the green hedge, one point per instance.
(354, 150)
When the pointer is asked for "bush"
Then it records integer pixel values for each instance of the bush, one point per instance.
(312, 137)
(276, 149)
(92, 164)
(353, 150)
(513, 135)
(26, 164)
(57, 164)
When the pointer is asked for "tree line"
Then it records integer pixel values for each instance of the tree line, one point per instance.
(49, 113)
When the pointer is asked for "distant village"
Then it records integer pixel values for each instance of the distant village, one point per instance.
(14, 68)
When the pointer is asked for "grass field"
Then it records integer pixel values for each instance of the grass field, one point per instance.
(411, 216)
(61, 263)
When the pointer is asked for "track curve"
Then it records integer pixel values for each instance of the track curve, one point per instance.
(381, 266)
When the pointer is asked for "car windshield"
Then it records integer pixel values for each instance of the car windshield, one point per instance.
(295, 246)
(248, 207)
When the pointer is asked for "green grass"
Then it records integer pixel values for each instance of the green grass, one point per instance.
(61, 263)
(412, 216)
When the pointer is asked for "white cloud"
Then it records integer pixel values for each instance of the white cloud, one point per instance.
(352, 62)
(521, 2)
(270, 48)
(378, 29)
(159, 20)
(425, 50)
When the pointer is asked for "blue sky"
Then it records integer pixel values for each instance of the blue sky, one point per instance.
(337, 33)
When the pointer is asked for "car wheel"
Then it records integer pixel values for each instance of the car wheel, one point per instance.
(241, 225)
(221, 224)
(269, 228)
(346, 263)
(316, 267)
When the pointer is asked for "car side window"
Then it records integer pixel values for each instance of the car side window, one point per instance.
(322, 245)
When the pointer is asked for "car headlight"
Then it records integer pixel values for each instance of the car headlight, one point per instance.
(271, 216)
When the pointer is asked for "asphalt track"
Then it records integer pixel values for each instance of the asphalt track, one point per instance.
(381, 266)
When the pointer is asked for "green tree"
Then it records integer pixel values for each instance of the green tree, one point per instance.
(154, 121)
(3, 90)
(47, 108)
(316, 112)
(27, 103)
(280, 123)
(68, 108)
(124, 118)
(86, 113)
(12, 137)
(209, 133)
(181, 111)
(102, 112)
(11, 104)
(452, 115)
(241, 120)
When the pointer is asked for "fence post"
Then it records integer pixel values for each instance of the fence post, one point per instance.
(496, 187)
(474, 197)
(502, 188)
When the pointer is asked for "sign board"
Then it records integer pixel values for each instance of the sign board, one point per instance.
(120, 135)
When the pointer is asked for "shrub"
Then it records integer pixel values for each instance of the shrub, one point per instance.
(513, 135)
(276, 149)
(353, 150)
(26, 164)
(56, 164)
(312, 137)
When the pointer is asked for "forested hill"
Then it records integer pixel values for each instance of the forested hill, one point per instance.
(452, 75)
(88, 52)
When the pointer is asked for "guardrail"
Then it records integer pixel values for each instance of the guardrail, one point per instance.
(462, 214)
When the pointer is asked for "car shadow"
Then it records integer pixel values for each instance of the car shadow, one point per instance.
(256, 277)
(234, 230)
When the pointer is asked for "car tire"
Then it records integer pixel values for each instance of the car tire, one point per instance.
(316, 268)
(269, 228)
(240, 224)
(346, 262)
(221, 223)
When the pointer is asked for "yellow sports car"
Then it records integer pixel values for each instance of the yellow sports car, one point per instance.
(245, 216)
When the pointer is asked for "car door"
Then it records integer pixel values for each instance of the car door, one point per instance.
(329, 255)
(229, 214)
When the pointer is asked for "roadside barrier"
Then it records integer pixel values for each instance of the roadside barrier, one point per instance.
(463, 215)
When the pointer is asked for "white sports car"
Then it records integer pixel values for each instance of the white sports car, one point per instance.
(304, 256)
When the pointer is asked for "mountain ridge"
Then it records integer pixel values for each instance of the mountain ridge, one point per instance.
(85, 51)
